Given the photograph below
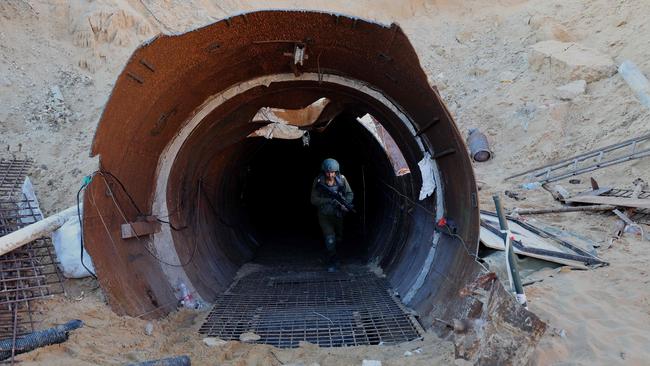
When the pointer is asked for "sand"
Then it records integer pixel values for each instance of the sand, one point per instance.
(476, 52)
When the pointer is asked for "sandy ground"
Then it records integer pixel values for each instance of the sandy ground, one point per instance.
(477, 53)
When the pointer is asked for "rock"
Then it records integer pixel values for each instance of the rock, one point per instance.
(56, 93)
(148, 329)
(214, 342)
(371, 363)
(249, 337)
(4, 81)
(571, 90)
(567, 61)
(547, 28)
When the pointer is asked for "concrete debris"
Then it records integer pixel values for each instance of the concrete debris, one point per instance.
(637, 81)
(214, 342)
(571, 90)
(371, 363)
(499, 331)
(249, 337)
(566, 61)
(148, 329)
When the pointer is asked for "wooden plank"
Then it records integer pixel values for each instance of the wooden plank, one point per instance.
(614, 201)
(139, 228)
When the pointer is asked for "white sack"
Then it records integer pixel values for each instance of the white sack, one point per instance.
(67, 244)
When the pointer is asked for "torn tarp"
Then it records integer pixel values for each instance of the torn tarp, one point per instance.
(428, 180)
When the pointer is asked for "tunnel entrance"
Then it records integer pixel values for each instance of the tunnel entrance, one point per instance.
(176, 131)
(285, 294)
(276, 191)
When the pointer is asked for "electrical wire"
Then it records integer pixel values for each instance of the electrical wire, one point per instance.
(148, 241)
(448, 230)
(81, 231)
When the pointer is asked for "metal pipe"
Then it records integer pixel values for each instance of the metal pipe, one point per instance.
(479, 146)
(511, 264)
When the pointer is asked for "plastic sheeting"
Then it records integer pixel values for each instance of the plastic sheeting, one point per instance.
(67, 244)
(428, 181)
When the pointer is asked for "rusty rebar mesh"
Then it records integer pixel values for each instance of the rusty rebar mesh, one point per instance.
(30, 272)
(12, 176)
(640, 215)
(347, 308)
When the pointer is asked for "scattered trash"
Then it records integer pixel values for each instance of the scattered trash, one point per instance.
(148, 329)
(249, 337)
(214, 342)
(636, 80)
(630, 226)
(186, 298)
(408, 354)
(558, 192)
(32, 341)
(67, 244)
(478, 145)
(531, 186)
(171, 361)
(575, 181)
(514, 195)
(371, 363)
(559, 332)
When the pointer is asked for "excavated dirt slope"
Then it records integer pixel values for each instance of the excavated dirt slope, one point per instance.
(496, 63)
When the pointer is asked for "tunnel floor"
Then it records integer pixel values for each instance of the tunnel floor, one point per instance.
(289, 299)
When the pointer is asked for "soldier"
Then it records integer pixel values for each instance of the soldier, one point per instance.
(330, 211)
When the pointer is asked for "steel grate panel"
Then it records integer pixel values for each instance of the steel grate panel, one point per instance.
(346, 308)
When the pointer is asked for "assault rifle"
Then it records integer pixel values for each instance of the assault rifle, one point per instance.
(337, 197)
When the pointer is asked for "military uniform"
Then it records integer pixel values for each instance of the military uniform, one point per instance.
(330, 213)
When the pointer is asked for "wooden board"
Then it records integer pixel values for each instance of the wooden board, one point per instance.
(530, 241)
(614, 201)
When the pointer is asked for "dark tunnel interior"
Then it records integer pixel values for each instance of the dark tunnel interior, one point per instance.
(275, 184)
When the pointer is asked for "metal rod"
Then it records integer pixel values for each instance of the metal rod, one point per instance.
(513, 272)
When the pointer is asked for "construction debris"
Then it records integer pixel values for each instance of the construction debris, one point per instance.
(539, 211)
(29, 271)
(636, 80)
(478, 145)
(535, 242)
(612, 201)
(632, 149)
(499, 331)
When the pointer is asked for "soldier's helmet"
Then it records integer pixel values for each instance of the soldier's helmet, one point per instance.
(330, 165)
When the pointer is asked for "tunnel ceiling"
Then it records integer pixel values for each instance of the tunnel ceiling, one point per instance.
(201, 89)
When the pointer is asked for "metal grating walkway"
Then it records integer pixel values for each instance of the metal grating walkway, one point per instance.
(349, 308)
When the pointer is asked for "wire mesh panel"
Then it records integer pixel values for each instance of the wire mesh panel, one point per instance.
(345, 308)
(29, 272)
(12, 175)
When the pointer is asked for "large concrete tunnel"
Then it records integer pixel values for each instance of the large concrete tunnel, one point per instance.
(175, 134)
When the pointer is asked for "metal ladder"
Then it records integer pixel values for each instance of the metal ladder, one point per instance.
(609, 155)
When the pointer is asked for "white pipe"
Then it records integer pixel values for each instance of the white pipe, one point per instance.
(34, 231)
